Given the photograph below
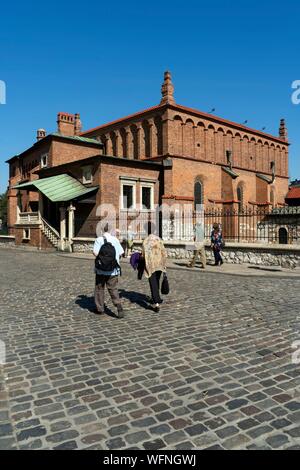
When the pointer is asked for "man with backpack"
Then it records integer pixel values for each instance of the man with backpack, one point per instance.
(107, 250)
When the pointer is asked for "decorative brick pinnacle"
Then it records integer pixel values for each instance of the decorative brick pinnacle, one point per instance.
(167, 90)
(283, 130)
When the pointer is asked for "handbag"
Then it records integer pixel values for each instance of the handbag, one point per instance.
(135, 259)
(165, 288)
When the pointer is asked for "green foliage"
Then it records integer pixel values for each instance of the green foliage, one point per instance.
(3, 212)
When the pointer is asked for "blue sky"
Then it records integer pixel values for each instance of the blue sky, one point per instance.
(106, 60)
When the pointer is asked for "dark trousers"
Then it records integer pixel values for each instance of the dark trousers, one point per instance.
(154, 286)
(111, 282)
(217, 255)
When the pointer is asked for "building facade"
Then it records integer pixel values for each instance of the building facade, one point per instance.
(165, 154)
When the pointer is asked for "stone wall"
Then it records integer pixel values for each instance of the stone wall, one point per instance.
(255, 254)
(7, 240)
(241, 255)
(83, 245)
(287, 256)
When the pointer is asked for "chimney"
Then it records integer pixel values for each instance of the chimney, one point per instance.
(40, 134)
(66, 124)
(77, 126)
(283, 130)
(167, 90)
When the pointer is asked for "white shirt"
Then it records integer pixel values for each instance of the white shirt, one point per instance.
(119, 251)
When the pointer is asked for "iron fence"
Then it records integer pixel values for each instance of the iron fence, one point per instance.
(246, 225)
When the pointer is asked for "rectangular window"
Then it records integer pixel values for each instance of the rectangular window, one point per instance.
(147, 196)
(44, 160)
(26, 234)
(128, 197)
(87, 176)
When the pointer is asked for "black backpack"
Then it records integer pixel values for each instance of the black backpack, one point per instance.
(106, 258)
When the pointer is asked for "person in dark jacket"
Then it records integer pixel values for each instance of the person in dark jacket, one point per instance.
(217, 243)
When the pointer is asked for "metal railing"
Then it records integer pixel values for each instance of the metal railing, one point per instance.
(247, 225)
(49, 229)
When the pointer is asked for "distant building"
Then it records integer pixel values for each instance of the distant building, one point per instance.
(164, 154)
(293, 195)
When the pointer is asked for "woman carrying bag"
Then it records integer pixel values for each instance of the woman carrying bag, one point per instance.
(155, 256)
(217, 244)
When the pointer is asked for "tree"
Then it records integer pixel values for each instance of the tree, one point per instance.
(3, 210)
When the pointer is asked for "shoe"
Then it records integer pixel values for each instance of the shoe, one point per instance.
(156, 308)
(97, 312)
(120, 312)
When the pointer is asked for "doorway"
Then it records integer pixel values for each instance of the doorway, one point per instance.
(283, 236)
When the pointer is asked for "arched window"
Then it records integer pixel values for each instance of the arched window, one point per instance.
(240, 198)
(198, 194)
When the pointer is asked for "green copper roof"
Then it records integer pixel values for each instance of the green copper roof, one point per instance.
(58, 188)
(78, 138)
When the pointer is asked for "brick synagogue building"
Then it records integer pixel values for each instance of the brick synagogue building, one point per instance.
(165, 154)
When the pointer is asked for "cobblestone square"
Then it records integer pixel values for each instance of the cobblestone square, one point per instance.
(212, 370)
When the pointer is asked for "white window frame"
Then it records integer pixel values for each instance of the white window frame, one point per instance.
(133, 185)
(24, 234)
(44, 165)
(87, 168)
(151, 186)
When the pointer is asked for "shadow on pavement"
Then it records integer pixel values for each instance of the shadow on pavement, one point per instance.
(87, 303)
(136, 298)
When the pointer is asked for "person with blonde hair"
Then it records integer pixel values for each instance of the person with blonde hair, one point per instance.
(155, 257)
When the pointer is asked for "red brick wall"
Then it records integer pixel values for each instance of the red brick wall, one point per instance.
(110, 182)
(206, 140)
(65, 152)
(37, 238)
(107, 176)
(183, 133)
(217, 184)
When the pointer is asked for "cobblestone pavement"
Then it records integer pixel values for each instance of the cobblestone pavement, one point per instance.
(213, 370)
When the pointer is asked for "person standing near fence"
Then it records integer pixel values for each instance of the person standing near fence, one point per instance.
(199, 246)
(155, 256)
(217, 243)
